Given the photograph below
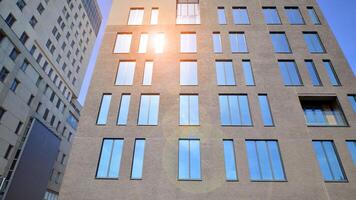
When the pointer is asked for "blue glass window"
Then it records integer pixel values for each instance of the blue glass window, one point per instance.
(221, 15)
(313, 16)
(240, 15)
(280, 42)
(290, 73)
(110, 158)
(334, 80)
(125, 74)
(189, 159)
(217, 42)
(329, 162)
(271, 15)
(351, 145)
(234, 110)
(264, 160)
(189, 110)
(313, 42)
(104, 109)
(225, 73)
(238, 43)
(124, 109)
(248, 73)
(230, 162)
(149, 107)
(352, 99)
(265, 110)
(313, 74)
(137, 163)
(294, 16)
(188, 73)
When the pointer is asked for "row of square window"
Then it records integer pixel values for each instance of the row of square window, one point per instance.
(264, 159)
(225, 73)
(238, 43)
(234, 110)
(190, 14)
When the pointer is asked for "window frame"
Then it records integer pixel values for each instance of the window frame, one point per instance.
(189, 164)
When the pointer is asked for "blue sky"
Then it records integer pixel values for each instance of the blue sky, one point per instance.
(340, 14)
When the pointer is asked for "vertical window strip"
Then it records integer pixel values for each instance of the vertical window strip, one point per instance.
(248, 73)
(225, 73)
(221, 15)
(154, 16)
(147, 76)
(189, 110)
(313, 74)
(265, 110)
(123, 43)
(230, 161)
(110, 158)
(352, 100)
(125, 73)
(189, 159)
(104, 109)
(149, 109)
(138, 158)
(351, 145)
(333, 78)
(217, 42)
(124, 109)
(143, 43)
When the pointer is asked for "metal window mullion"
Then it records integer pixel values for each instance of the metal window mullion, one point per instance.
(327, 160)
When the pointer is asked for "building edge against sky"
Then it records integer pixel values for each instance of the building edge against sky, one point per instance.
(45, 49)
(184, 104)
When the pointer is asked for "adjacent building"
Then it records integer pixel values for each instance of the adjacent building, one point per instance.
(216, 100)
(45, 47)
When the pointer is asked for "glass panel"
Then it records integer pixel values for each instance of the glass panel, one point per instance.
(313, 16)
(183, 172)
(188, 13)
(221, 16)
(144, 109)
(154, 108)
(280, 43)
(224, 110)
(230, 163)
(124, 109)
(143, 43)
(217, 43)
(265, 110)
(234, 110)
(147, 76)
(188, 73)
(123, 43)
(184, 110)
(194, 159)
(104, 109)
(271, 16)
(351, 145)
(276, 160)
(249, 79)
(188, 43)
(159, 42)
(294, 15)
(263, 159)
(313, 43)
(289, 73)
(125, 74)
(105, 157)
(238, 43)
(335, 166)
(334, 80)
(135, 17)
(154, 16)
(313, 74)
(352, 99)
(225, 73)
(194, 110)
(240, 16)
(254, 167)
(137, 164)
(109, 163)
(115, 159)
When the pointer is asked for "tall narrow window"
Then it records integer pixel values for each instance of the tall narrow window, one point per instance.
(149, 107)
(221, 15)
(143, 43)
(240, 15)
(265, 110)
(135, 16)
(110, 158)
(329, 162)
(189, 110)
(188, 12)
(248, 73)
(352, 99)
(158, 42)
(313, 74)
(334, 80)
(189, 159)
(264, 160)
(313, 16)
(125, 73)
(147, 75)
(238, 42)
(234, 110)
(294, 16)
(351, 145)
(188, 43)
(313, 42)
(104, 109)
(123, 43)
(290, 73)
(224, 73)
(217, 42)
(230, 162)
(188, 73)
(271, 15)
(280, 42)
(154, 16)
(124, 109)
(138, 156)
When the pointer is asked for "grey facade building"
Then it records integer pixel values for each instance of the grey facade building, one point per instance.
(216, 100)
(45, 47)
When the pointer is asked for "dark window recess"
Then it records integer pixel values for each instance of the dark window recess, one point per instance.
(3, 74)
(24, 38)
(18, 128)
(14, 53)
(8, 151)
(14, 85)
(10, 20)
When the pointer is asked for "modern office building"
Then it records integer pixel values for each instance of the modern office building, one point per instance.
(45, 47)
(244, 99)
